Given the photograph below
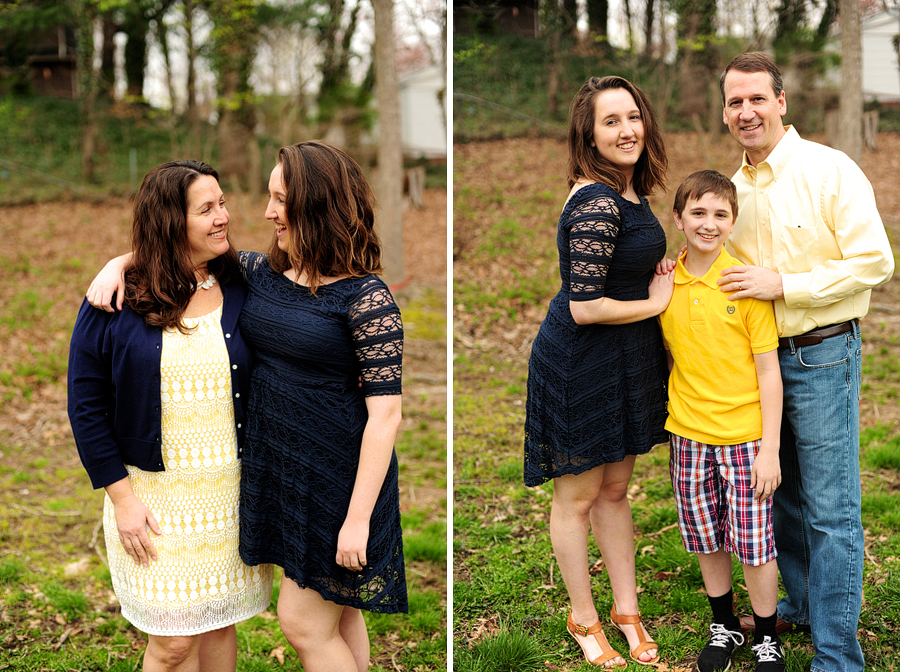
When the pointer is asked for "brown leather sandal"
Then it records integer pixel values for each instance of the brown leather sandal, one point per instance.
(618, 620)
(596, 630)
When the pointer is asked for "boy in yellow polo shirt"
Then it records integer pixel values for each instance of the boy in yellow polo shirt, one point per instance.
(725, 401)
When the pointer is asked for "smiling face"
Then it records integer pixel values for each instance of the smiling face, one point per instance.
(706, 222)
(618, 129)
(275, 209)
(207, 220)
(753, 112)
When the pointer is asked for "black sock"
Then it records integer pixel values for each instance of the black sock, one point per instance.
(723, 611)
(765, 626)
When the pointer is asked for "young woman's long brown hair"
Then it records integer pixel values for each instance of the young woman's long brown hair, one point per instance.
(160, 281)
(331, 217)
(585, 161)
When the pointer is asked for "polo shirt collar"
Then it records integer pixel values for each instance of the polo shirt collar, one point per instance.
(779, 157)
(723, 261)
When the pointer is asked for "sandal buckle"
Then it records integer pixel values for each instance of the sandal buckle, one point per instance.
(581, 630)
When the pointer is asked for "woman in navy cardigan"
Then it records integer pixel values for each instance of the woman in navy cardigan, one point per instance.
(157, 403)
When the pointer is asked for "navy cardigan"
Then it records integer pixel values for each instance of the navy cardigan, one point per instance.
(114, 387)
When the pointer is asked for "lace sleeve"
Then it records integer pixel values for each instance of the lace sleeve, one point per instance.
(250, 261)
(594, 227)
(377, 332)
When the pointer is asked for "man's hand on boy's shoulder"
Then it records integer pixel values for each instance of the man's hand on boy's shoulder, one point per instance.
(756, 282)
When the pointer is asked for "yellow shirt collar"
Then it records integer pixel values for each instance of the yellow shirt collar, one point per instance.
(779, 156)
(723, 261)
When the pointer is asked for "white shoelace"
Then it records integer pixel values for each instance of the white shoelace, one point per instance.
(766, 651)
(720, 636)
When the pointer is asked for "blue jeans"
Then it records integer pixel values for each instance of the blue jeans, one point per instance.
(817, 518)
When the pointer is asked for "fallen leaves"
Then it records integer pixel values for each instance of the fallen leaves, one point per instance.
(278, 654)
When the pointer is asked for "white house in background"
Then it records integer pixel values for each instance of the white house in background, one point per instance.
(881, 73)
(422, 128)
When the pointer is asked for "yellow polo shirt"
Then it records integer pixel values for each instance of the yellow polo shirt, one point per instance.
(808, 212)
(713, 391)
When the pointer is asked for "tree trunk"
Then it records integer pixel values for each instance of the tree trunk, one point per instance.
(191, 64)
(554, 66)
(135, 26)
(697, 59)
(389, 187)
(107, 81)
(629, 32)
(598, 16)
(570, 7)
(649, 8)
(162, 34)
(851, 107)
(85, 15)
(234, 43)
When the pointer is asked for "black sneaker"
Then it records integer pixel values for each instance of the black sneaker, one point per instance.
(769, 655)
(716, 655)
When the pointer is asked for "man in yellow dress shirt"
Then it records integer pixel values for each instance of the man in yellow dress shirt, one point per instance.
(815, 244)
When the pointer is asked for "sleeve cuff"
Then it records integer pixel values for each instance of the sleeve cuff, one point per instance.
(107, 473)
(796, 290)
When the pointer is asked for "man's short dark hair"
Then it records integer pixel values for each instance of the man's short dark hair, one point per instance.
(754, 61)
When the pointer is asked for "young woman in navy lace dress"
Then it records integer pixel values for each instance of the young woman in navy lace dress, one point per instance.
(597, 373)
(319, 493)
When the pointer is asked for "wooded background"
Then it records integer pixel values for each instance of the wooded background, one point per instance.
(231, 79)
(675, 50)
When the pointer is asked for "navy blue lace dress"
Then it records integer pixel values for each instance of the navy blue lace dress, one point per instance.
(306, 417)
(597, 392)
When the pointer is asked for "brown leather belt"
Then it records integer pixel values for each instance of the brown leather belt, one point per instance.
(816, 336)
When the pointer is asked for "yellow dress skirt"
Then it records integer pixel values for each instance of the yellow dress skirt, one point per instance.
(199, 582)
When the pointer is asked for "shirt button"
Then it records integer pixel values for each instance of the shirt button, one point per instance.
(237, 396)
(227, 335)
(239, 425)
(696, 301)
(234, 366)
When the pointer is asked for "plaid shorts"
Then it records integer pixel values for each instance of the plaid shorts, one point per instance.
(716, 504)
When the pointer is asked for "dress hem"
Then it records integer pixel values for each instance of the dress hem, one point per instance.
(331, 597)
(196, 631)
(581, 468)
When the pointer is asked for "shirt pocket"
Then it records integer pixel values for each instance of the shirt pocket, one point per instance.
(797, 249)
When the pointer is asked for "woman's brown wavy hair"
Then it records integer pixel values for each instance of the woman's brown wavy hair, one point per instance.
(330, 215)
(585, 161)
(160, 280)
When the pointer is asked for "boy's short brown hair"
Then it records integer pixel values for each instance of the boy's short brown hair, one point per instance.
(705, 182)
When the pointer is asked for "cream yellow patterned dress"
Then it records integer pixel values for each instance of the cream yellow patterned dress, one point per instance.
(199, 582)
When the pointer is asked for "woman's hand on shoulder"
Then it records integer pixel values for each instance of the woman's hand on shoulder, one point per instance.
(108, 282)
(661, 288)
(665, 266)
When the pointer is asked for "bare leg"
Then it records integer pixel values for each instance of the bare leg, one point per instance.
(573, 498)
(218, 650)
(172, 654)
(613, 529)
(353, 630)
(716, 570)
(762, 585)
(312, 626)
